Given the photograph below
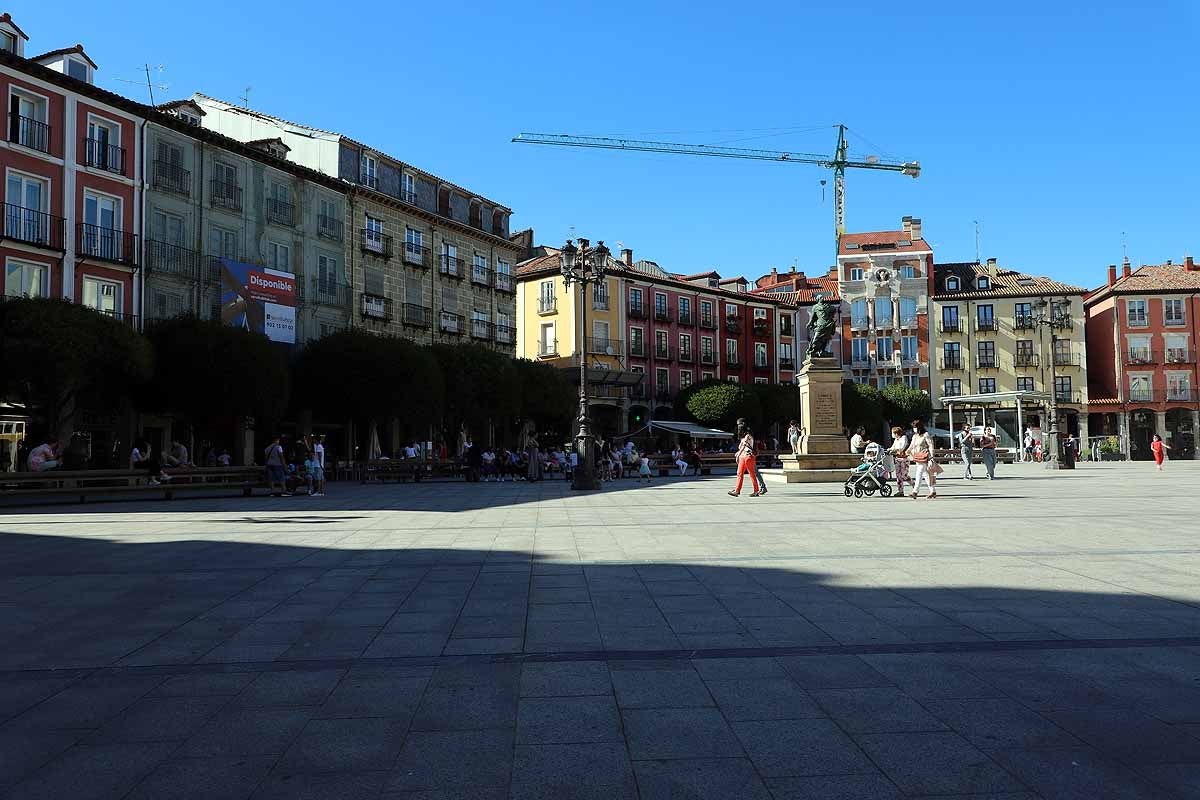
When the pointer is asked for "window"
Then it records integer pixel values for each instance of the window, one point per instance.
(912, 381)
(1177, 349)
(25, 218)
(760, 381)
(27, 121)
(858, 313)
(987, 385)
(600, 296)
(883, 311)
(1062, 388)
(637, 346)
(1024, 355)
(662, 381)
(706, 311)
(908, 312)
(546, 301)
(373, 284)
(985, 317)
(733, 379)
(1173, 311)
(760, 354)
(366, 171)
(884, 346)
(731, 311)
(785, 351)
(856, 273)
(1179, 386)
(685, 378)
(1135, 313)
(1139, 388)
(103, 145)
(951, 284)
(373, 233)
(1023, 316)
(279, 256)
(600, 341)
(450, 258)
(908, 271)
(547, 346)
(858, 351)
(706, 349)
(660, 306)
(706, 376)
(760, 313)
(8, 42)
(1139, 350)
(951, 387)
(1062, 352)
(731, 350)
(191, 119)
(102, 295)
(408, 188)
(685, 309)
(1025, 384)
(987, 355)
(77, 69)
(661, 348)
(222, 243)
(327, 280)
(685, 347)
(983, 282)
(949, 319)
(101, 234)
(635, 300)
(479, 269)
(785, 324)
(951, 356)
(414, 241)
(23, 279)
(908, 348)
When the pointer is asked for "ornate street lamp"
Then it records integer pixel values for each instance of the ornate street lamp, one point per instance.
(583, 265)
(1055, 315)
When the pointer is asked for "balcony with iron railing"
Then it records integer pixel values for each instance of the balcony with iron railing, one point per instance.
(225, 195)
(1067, 359)
(951, 391)
(636, 311)
(787, 363)
(374, 243)
(376, 307)
(603, 346)
(370, 180)
(637, 392)
(547, 349)
(662, 352)
(29, 132)
(637, 348)
(599, 301)
(547, 305)
(505, 334)
(987, 325)
(1024, 322)
(408, 197)
(1067, 396)
(132, 321)
(481, 276)
(36, 228)
(759, 328)
(859, 323)
(503, 282)
(987, 362)
(908, 323)
(950, 326)
(686, 356)
(733, 361)
(1179, 355)
(708, 322)
(450, 266)
(605, 391)
(416, 316)
(1025, 360)
(106, 244)
(100, 154)
(1180, 394)
(733, 325)
(860, 361)
(331, 293)
(662, 314)
(481, 330)
(451, 324)
(416, 255)
(762, 365)
(330, 227)
(686, 317)
(168, 176)
(280, 212)
(1137, 395)
(163, 258)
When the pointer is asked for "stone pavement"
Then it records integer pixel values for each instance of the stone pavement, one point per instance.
(1036, 636)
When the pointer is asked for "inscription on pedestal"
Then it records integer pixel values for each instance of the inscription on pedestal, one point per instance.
(825, 412)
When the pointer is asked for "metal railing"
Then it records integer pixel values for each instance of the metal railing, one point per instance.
(686, 356)
(860, 323)
(760, 328)
(170, 177)
(1024, 322)
(481, 329)
(416, 316)
(1067, 396)
(733, 325)
(950, 326)
(451, 324)
(330, 227)
(762, 365)
(987, 325)
(503, 281)
(481, 276)
(1144, 396)
(1139, 356)
(376, 307)
(732, 361)
(662, 314)
(331, 293)
(602, 346)
(29, 132)
(505, 334)
(663, 393)
(637, 349)
(416, 254)
(547, 305)
(281, 212)
(787, 363)
(547, 349)
(662, 352)
(368, 180)
(1067, 359)
(709, 358)
(171, 259)
(451, 266)
(34, 227)
(1025, 360)
(1178, 355)
(600, 301)
(225, 195)
(636, 311)
(100, 154)
(987, 362)
(1183, 394)
(126, 319)
(708, 322)
(375, 243)
(106, 244)
(686, 317)
(408, 197)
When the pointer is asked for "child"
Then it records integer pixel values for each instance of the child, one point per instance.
(644, 468)
(1157, 446)
(311, 472)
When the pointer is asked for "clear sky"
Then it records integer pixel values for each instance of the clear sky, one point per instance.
(1058, 125)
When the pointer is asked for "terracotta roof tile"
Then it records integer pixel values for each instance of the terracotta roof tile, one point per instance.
(1005, 283)
(62, 51)
(1159, 278)
(879, 242)
(6, 17)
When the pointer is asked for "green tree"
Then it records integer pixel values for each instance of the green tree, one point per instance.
(54, 352)
(902, 404)
(208, 373)
(719, 404)
(480, 386)
(547, 398)
(780, 403)
(861, 407)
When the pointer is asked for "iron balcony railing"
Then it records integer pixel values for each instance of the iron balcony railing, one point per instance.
(686, 356)
(662, 352)
(34, 227)
(733, 325)
(107, 244)
(760, 328)
(170, 177)
(100, 154)
(1067, 359)
(505, 334)
(602, 346)
(636, 311)
(1025, 360)
(29, 132)
(547, 349)
(732, 360)
(451, 324)
(376, 307)
(987, 362)
(375, 243)
(662, 314)
(225, 195)
(451, 266)
(908, 322)
(503, 282)
(417, 316)
(600, 301)
(761, 365)
(163, 258)
(1182, 394)
(481, 329)
(708, 321)
(1139, 356)
(637, 348)
(860, 323)
(481, 276)
(709, 358)
(950, 326)
(330, 227)
(605, 391)
(547, 305)
(408, 197)
(331, 293)
(1066, 396)
(686, 317)
(281, 212)
(368, 180)
(1178, 355)
(416, 255)
(1144, 396)
(637, 392)
(128, 320)
(986, 324)
(787, 363)
(1024, 322)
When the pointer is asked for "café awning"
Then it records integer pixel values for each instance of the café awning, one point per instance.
(688, 429)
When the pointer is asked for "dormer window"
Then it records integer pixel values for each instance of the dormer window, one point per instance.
(277, 151)
(951, 284)
(12, 38)
(190, 119)
(983, 282)
(77, 70)
(8, 42)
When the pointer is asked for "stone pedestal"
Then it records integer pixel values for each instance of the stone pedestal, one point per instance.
(825, 455)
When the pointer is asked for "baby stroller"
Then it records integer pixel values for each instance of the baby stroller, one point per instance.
(869, 476)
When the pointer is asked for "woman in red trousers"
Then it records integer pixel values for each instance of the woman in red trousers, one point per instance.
(745, 461)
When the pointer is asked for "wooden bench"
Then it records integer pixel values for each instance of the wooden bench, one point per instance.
(404, 470)
(1004, 455)
(85, 483)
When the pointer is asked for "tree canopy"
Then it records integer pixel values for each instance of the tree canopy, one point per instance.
(902, 404)
(861, 407)
(718, 404)
(548, 398)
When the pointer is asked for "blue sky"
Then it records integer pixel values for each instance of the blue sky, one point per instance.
(1057, 125)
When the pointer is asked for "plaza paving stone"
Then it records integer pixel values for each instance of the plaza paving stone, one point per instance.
(1037, 636)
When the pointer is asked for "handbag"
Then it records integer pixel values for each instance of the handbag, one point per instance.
(919, 458)
(935, 468)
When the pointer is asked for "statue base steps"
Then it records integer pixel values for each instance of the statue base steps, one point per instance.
(817, 467)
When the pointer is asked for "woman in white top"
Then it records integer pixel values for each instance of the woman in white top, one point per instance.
(899, 459)
(745, 462)
(858, 441)
(920, 454)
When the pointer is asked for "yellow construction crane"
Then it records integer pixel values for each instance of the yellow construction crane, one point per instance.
(838, 162)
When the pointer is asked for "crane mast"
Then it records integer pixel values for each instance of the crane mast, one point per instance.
(839, 162)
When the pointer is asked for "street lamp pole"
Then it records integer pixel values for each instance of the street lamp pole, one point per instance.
(583, 265)
(1059, 318)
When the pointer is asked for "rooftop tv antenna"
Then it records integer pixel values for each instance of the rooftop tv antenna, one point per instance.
(150, 84)
(976, 241)
(246, 96)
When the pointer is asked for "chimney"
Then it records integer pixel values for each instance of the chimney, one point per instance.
(1112, 274)
(914, 229)
(1168, 262)
(1189, 264)
(991, 267)
(906, 225)
(627, 256)
(1125, 267)
(774, 276)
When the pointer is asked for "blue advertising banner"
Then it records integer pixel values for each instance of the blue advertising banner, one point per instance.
(258, 299)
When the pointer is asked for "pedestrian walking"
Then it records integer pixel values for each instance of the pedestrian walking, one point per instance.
(275, 466)
(920, 455)
(644, 468)
(318, 459)
(1157, 446)
(745, 461)
(966, 449)
(987, 443)
(898, 451)
(761, 484)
